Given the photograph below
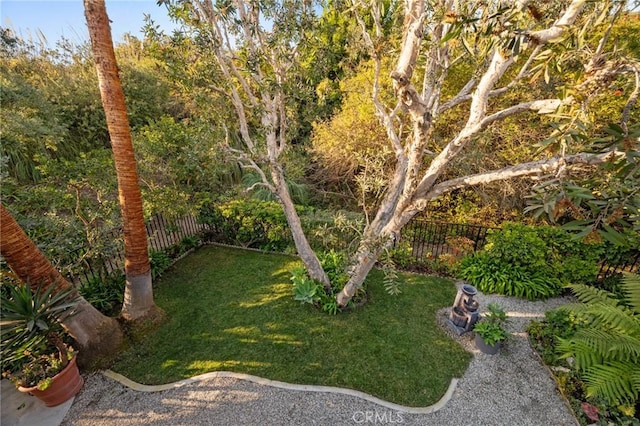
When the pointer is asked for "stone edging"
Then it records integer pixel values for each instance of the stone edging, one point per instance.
(288, 386)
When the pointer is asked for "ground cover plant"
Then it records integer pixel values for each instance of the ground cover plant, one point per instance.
(233, 310)
(593, 350)
(533, 262)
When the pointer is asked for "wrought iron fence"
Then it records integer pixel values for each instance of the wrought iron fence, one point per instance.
(628, 263)
(433, 239)
(428, 239)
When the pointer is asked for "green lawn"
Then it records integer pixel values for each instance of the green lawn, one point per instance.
(230, 309)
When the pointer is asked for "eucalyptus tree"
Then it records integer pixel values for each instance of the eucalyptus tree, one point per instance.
(96, 334)
(256, 49)
(138, 296)
(510, 44)
(506, 45)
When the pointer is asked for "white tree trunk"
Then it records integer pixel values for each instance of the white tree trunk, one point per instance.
(409, 192)
(306, 253)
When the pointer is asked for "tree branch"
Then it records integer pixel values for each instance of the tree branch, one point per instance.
(542, 106)
(521, 170)
(633, 98)
(560, 26)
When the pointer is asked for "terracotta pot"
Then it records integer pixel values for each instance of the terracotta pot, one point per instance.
(64, 385)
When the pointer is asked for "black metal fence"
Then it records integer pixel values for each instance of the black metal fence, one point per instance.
(628, 263)
(433, 239)
(425, 238)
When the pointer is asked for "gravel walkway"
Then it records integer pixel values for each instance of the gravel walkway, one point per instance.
(511, 388)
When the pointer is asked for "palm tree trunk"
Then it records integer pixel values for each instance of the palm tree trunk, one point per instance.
(138, 296)
(96, 334)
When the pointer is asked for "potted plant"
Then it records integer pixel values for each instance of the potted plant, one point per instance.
(36, 352)
(490, 331)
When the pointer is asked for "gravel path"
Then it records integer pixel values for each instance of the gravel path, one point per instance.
(511, 388)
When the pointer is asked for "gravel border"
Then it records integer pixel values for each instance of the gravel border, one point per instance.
(512, 388)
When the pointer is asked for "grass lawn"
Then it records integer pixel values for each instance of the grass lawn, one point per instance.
(233, 310)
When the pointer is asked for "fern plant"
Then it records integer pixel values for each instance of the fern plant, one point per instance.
(607, 349)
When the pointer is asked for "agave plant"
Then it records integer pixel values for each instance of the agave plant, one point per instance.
(607, 349)
(32, 346)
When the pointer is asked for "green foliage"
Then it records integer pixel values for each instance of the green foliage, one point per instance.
(31, 337)
(391, 284)
(262, 224)
(105, 294)
(299, 192)
(181, 160)
(352, 145)
(305, 289)
(334, 264)
(328, 230)
(260, 330)
(313, 292)
(159, 261)
(248, 223)
(490, 275)
(544, 335)
(603, 205)
(495, 314)
(401, 254)
(491, 327)
(188, 243)
(445, 265)
(531, 262)
(490, 333)
(606, 350)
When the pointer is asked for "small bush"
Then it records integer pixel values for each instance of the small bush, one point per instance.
(159, 261)
(307, 290)
(597, 345)
(531, 262)
(248, 223)
(557, 323)
(334, 264)
(263, 225)
(402, 254)
(105, 294)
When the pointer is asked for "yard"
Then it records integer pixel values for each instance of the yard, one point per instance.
(233, 310)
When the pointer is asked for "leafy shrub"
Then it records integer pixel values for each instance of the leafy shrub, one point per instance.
(606, 350)
(491, 327)
(248, 223)
(445, 265)
(188, 243)
(105, 293)
(263, 225)
(490, 333)
(402, 254)
(531, 262)
(572, 328)
(491, 275)
(305, 289)
(159, 261)
(308, 290)
(334, 264)
(328, 230)
(544, 335)
(574, 260)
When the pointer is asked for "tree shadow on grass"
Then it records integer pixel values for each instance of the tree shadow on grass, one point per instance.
(242, 318)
